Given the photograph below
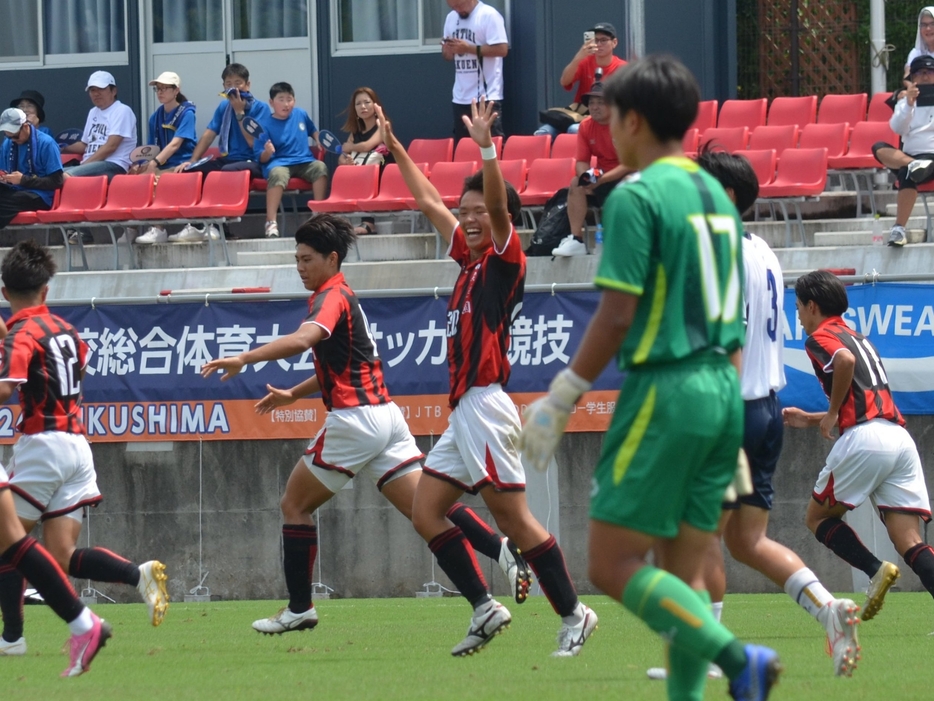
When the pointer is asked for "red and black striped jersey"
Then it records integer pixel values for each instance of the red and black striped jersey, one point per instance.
(869, 396)
(487, 295)
(346, 362)
(45, 357)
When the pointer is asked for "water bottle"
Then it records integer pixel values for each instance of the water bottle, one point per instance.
(598, 75)
(598, 239)
(877, 233)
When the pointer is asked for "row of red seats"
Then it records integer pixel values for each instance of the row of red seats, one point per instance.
(517, 147)
(798, 111)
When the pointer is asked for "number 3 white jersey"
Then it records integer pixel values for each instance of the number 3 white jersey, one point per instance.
(763, 364)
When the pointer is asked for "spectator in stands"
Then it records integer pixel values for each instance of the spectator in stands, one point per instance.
(31, 166)
(592, 189)
(582, 70)
(924, 42)
(109, 132)
(284, 151)
(33, 104)
(913, 164)
(172, 129)
(365, 145)
(475, 39)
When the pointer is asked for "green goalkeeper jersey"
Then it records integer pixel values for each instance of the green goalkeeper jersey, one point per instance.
(674, 238)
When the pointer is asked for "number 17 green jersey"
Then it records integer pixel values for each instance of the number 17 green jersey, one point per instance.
(673, 238)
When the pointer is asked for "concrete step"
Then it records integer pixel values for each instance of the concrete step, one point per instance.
(861, 238)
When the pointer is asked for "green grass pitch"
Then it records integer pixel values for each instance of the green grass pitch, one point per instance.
(400, 649)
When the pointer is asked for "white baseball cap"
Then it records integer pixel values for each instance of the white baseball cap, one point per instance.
(100, 79)
(167, 78)
(12, 120)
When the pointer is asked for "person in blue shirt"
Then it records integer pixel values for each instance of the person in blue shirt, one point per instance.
(283, 150)
(30, 167)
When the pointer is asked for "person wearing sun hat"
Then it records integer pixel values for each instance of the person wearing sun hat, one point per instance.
(32, 103)
(30, 166)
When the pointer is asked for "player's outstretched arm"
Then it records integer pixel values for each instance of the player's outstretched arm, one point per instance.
(301, 340)
(546, 418)
(284, 397)
(478, 125)
(425, 194)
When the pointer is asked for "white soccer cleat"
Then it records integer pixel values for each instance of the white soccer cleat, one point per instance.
(151, 587)
(842, 641)
(516, 570)
(488, 621)
(14, 649)
(879, 586)
(661, 674)
(285, 621)
(572, 638)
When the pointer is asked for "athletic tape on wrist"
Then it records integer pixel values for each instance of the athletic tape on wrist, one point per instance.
(488, 153)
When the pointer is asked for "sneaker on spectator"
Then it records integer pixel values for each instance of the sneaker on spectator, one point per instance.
(272, 230)
(75, 236)
(189, 233)
(570, 246)
(920, 170)
(212, 232)
(898, 237)
(155, 234)
(130, 234)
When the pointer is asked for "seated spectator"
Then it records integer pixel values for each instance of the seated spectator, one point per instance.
(365, 145)
(172, 129)
(593, 139)
(924, 40)
(31, 167)
(913, 164)
(592, 56)
(33, 104)
(284, 152)
(109, 132)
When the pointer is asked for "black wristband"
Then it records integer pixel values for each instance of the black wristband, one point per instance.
(479, 55)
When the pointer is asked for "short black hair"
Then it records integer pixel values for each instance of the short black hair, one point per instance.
(280, 87)
(732, 171)
(327, 233)
(27, 268)
(474, 183)
(824, 288)
(236, 70)
(661, 89)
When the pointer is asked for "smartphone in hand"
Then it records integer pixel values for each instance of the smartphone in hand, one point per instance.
(589, 37)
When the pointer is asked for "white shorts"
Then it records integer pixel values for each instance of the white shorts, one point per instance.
(479, 445)
(374, 438)
(877, 460)
(52, 474)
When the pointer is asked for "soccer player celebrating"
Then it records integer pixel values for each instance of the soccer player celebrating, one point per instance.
(364, 430)
(671, 306)
(477, 452)
(874, 456)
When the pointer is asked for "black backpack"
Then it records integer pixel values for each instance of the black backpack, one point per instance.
(554, 226)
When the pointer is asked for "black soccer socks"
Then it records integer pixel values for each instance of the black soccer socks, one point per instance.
(459, 562)
(102, 565)
(299, 552)
(839, 537)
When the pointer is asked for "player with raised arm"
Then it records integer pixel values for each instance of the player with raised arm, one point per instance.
(671, 308)
(874, 457)
(477, 452)
(364, 430)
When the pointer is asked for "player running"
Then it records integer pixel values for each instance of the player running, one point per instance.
(364, 431)
(477, 452)
(671, 307)
(874, 457)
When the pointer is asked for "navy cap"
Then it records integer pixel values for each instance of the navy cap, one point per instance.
(605, 28)
(922, 62)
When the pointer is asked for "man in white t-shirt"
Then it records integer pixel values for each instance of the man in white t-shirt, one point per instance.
(475, 39)
(109, 132)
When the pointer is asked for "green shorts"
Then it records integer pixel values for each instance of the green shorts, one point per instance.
(671, 449)
(279, 176)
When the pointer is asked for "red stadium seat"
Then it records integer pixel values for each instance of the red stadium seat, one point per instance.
(833, 137)
(776, 138)
(225, 194)
(394, 195)
(175, 190)
(864, 135)
(878, 110)
(351, 187)
(431, 151)
(797, 111)
(801, 173)
(546, 177)
(467, 150)
(29, 217)
(78, 196)
(689, 142)
(763, 162)
(448, 180)
(706, 116)
(742, 113)
(734, 139)
(564, 146)
(514, 172)
(842, 108)
(126, 193)
(527, 148)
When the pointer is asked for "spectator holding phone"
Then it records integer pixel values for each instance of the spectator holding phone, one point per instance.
(32, 103)
(913, 164)
(31, 167)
